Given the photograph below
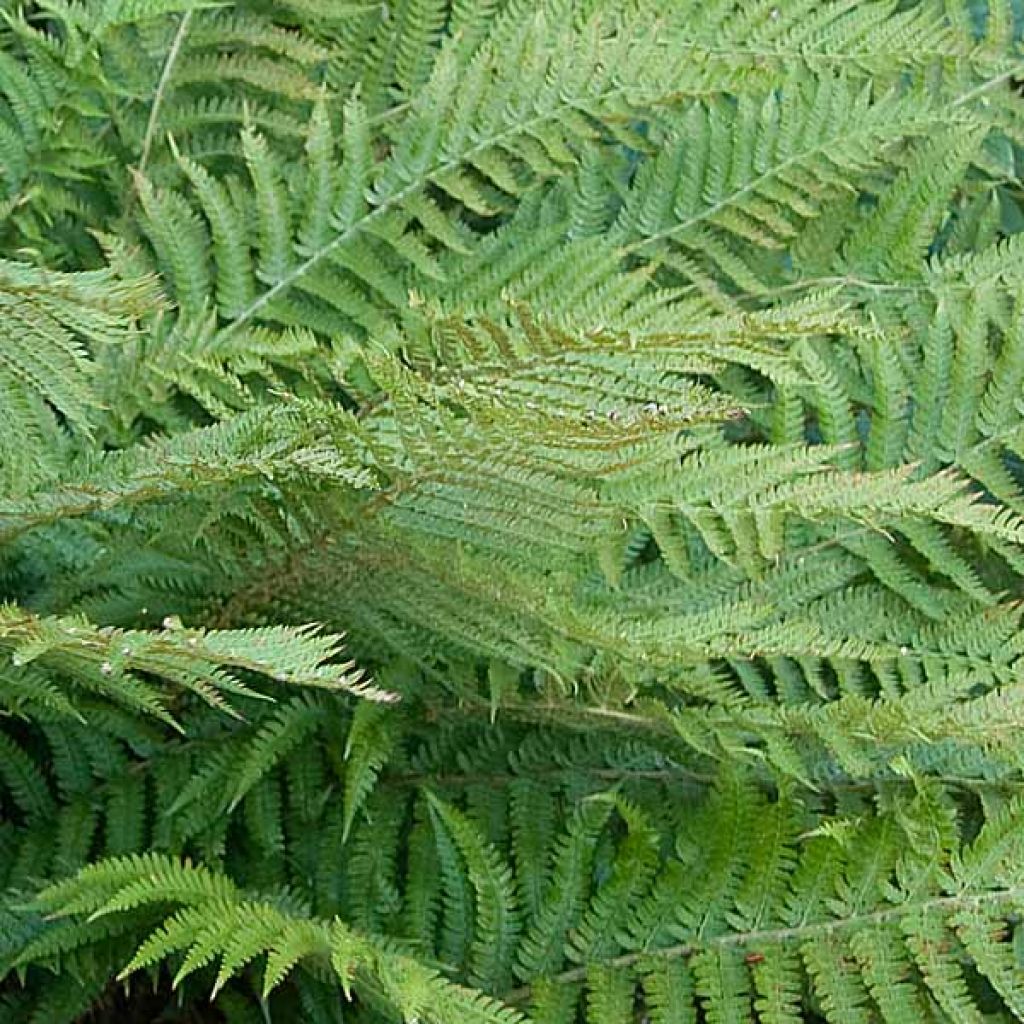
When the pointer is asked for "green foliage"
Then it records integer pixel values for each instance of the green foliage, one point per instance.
(637, 387)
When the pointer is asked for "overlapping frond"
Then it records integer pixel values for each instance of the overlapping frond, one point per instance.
(636, 386)
(911, 909)
(46, 373)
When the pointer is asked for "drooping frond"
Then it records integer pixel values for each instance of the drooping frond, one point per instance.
(245, 929)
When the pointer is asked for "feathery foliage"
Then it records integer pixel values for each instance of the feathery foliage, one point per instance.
(637, 387)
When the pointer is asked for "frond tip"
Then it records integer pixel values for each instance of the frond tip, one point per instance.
(124, 666)
(241, 930)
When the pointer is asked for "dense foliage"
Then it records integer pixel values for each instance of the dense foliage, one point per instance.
(637, 387)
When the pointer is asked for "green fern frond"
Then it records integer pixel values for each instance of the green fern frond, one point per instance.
(636, 388)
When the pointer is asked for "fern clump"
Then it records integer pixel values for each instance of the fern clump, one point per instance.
(511, 512)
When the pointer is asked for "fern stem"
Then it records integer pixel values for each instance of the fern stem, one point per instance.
(797, 158)
(799, 54)
(989, 85)
(586, 719)
(161, 89)
(498, 780)
(515, 130)
(795, 934)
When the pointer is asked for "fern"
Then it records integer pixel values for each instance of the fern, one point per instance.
(636, 387)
